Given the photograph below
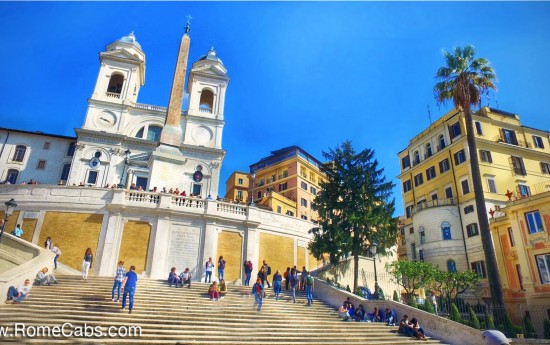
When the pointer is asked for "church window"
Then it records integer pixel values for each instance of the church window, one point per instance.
(206, 103)
(153, 133)
(19, 153)
(12, 175)
(197, 188)
(115, 83)
(92, 177)
(139, 134)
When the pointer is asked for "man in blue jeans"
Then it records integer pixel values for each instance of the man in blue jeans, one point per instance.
(309, 289)
(129, 286)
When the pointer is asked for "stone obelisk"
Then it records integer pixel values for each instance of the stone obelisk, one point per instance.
(171, 134)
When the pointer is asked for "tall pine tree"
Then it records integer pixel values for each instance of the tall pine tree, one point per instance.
(354, 207)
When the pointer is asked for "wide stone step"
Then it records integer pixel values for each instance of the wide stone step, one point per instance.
(187, 316)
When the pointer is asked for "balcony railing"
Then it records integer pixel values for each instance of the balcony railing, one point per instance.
(113, 94)
(434, 203)
(150, 107)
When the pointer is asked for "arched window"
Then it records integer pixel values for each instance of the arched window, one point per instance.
(446, 230)
(441, 142)
(451, 266)
(416, 157)
(428, 150)
(206, 103)
(139, 134)
(19, 154)
(153, 133)
(12, 175)
(115, 83)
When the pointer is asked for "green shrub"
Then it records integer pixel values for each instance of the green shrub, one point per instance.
(546, 329)
(508, 327)
(455, 314)
(348, 288)
(412, 302)
(489, 323)
(395, 296)
(474, 321)
(381, 295)
(429, 307)
(528, 329)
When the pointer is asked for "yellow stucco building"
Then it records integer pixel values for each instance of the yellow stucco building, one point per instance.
(441, 223)
(236, 187)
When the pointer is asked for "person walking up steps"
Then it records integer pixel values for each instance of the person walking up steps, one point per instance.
(87, 263)
(129, 286)
(209, 266)
(258, 291)
(57, 252)
(309, 289)
(119, 278)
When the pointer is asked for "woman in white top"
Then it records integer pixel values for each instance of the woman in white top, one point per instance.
(208, 270)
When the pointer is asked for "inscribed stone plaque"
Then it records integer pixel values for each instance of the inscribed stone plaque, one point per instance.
(184, 249)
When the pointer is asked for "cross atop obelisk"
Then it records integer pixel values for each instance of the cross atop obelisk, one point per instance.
(171, 133)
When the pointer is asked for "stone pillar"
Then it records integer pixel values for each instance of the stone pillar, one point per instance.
(210, 248)
(160, 235)
(109, 244)
(171, 133)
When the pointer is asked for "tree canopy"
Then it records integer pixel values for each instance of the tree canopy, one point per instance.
(354, 207)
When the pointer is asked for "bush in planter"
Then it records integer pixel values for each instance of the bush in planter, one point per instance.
(546, 329)
(489, 322)
(474, 321)
(412, 302)
(455, 314)
(395, 296)
(348, 288)
(508, 327)
(429, 307)
(528, 329)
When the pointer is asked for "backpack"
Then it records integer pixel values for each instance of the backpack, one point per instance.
(268, 270)
(309, 281)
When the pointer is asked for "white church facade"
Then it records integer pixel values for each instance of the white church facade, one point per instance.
(84, 199)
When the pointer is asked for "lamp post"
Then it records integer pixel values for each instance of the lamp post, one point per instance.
(10, 207)
(372, 250)
(127, 154)
(252, 190)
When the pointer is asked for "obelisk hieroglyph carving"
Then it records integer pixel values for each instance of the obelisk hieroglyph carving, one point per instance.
(171, 133)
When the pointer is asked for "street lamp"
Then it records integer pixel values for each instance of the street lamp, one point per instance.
(372, 249)
(127, 154)
(252, 190)
(10, 207)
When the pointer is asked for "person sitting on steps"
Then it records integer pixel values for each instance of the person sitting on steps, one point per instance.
(173, 277)
(214, 291)
(43, 278)
(185, 278)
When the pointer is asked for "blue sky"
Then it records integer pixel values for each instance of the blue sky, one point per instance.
(302, 73)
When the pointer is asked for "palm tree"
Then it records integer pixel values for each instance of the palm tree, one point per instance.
(464, 80)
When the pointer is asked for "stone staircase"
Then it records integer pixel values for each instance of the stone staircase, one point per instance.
(182, 316)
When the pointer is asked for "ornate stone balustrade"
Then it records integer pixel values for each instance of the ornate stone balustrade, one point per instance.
(112, 94)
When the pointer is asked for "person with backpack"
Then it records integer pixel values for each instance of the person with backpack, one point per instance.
(267, 273)
(286, 275)
(258, 292)
(277, 281)
(294, 282)
(309, 289)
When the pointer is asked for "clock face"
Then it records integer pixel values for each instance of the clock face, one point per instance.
(105, 119)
